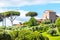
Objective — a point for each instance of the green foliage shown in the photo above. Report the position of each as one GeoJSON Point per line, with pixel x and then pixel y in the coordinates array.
{"type": "Point", "coordinates": [52, 25]}
{"type": "Point", "coordinates": [37, 36]}
{"type": "Point", "coordinates": [13, 34]}
{"type": "Point", "coordinates": [32, 22]}
{"type": "Point", "coordinates": [58, 29]}
{"type": "Point", "coordinates": [52, 32]}
{"type": "Point", "coordinates": [46, 38]}
{"type": "Point", "coordinates": [13, 13]}
{"type": "Point", "coordinates": [32, 14]}
{"type": "Point", "coordinates": [46, 22]}
{"type": "Point", "coordinates": [29, 35]}
{"type": "Point", "coordinates": [58, 22]}
{"type": "Point", "coordinates": [35, 28]}
{"type": "Point", "coordinates": [23, 34]}
{"type": "Point", "coordinates": [9, 13]}
{"type": "Point", "coordinates": [1, 19]}
{"type": "Point", "coordinates": [25, 23]}
{"type": "Point", "coordinates": [45, 28]}
{"type": "Point", "coordinates": [5, 36]}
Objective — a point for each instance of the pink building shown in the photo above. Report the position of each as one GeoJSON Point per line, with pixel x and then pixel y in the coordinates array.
{"type": "Point", "coordinates": [50, 15]}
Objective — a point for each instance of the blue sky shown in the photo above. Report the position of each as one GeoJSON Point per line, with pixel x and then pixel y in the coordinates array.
{"type": "Point", "coordinates": [24, 6]}
{"type": "Point", "coordinates": [41, 8]}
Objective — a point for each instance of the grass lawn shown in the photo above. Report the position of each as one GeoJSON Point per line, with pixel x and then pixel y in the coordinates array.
{"type": "Point", "coordinates": [51, 37]}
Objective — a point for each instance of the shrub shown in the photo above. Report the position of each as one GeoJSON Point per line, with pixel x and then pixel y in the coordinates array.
{"type": "Point", "coordinates": [5, 36]}
{"type": "Point", "coordinates": [59, 29]}
{"type": "Point", "coordinates": [46, 22]}
{"type": "Point", "coordinates": [32, 22]}
{"type": "Point", "coordinates": [58, 22]}
{"type": "Point", "coordinates": [46, 38]}
{"type": "Point", "coordinates": [46, 28]}
{"type": "Point", "coordinates": [52, 26]}
{"type": "Point", "coordinates": [36, 36]}
{"type": "Point", "coordinates": [52, 32]}
{"type": "Point", "coordinates": [35, 28]}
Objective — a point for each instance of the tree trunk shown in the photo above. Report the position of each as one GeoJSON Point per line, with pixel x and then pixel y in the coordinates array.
{"type": "Point", "coordinates": [11, 22]}
{"type": "Point", "coordinates": [11, 19]}
{"type": "Point", "coordinates": [5, 22]}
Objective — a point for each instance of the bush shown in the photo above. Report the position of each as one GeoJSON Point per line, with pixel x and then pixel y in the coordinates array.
{"type": "Point", "coordinates": [35, 28]}
{"type": "Point", "coordinates": [5, 36]}
{"type": "Point", "coordinates": [46, 38]}
{"type": "Point", "coordinates": [46, 22]}
{"type": "Point", "coordinates": [59, 29]}
{"type": "Point", "coordinates": [52, 32]}
{"type": "Point", "coordinates": [52, 26]}
{"type": "Point", "coordinates": [44, 28]}
{"type": "Point", "coordinates": [32, 22]}
{"type": "Point", "coordinates": [58, 22]}
{"type": "Point", "coordinates": [41, 29]}
{"type": "Point", "coordinates": [36, 35]}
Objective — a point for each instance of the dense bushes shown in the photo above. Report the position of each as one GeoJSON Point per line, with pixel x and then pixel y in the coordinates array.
{"type": "Point", "coordinates": [58, 22]}
{"type": "Point", "coordinates": [46, 21]}
{"type": "Point", "coordinates": [29, 33]}
{"type": "Point", "coordinates": [31, 22]}
{"type": "Point", "coordinates": [52, 32]}
{"type": "Point", "coordinates": [59, 29]}
{"type": "Point", "coordinates": [5, 36]}
{"type": "Point", "coordinates": [22, 34]}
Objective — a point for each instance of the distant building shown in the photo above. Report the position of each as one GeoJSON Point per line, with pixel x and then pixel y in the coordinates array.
{"type": "Point", "coordinates": [50, 15]}
{"type": "Point", "coordinates": [39, 20]}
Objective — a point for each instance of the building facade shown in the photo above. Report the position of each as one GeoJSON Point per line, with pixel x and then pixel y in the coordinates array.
{"type": "Point", "coordinates": [50, 15]}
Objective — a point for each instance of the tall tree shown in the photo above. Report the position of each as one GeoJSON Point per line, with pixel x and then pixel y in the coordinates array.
{"type": "Point", "coordinates": [3, 16]}
{"type": "Point", "coordinates": [32, 21]}
{"type": "Point", "coordinates": [1, 19]}
{"type": "Point", "coordinates": [12, 15]}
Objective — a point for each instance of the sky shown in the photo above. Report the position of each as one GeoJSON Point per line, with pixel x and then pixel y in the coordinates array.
{"type": "Point", "coordinates": [24, 6]}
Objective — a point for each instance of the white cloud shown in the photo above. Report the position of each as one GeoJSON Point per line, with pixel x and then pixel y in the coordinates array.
{"type": "Point", "coordinates": [16, 22]}
{"type": "Point", "coordinates": [58, 14]}
{"type": "Point", "coordinates": [4, 3]}
{"type": "Point", "coordinates": [23, 13]}
{"type": "Point", "coordinates": [37, 17]}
